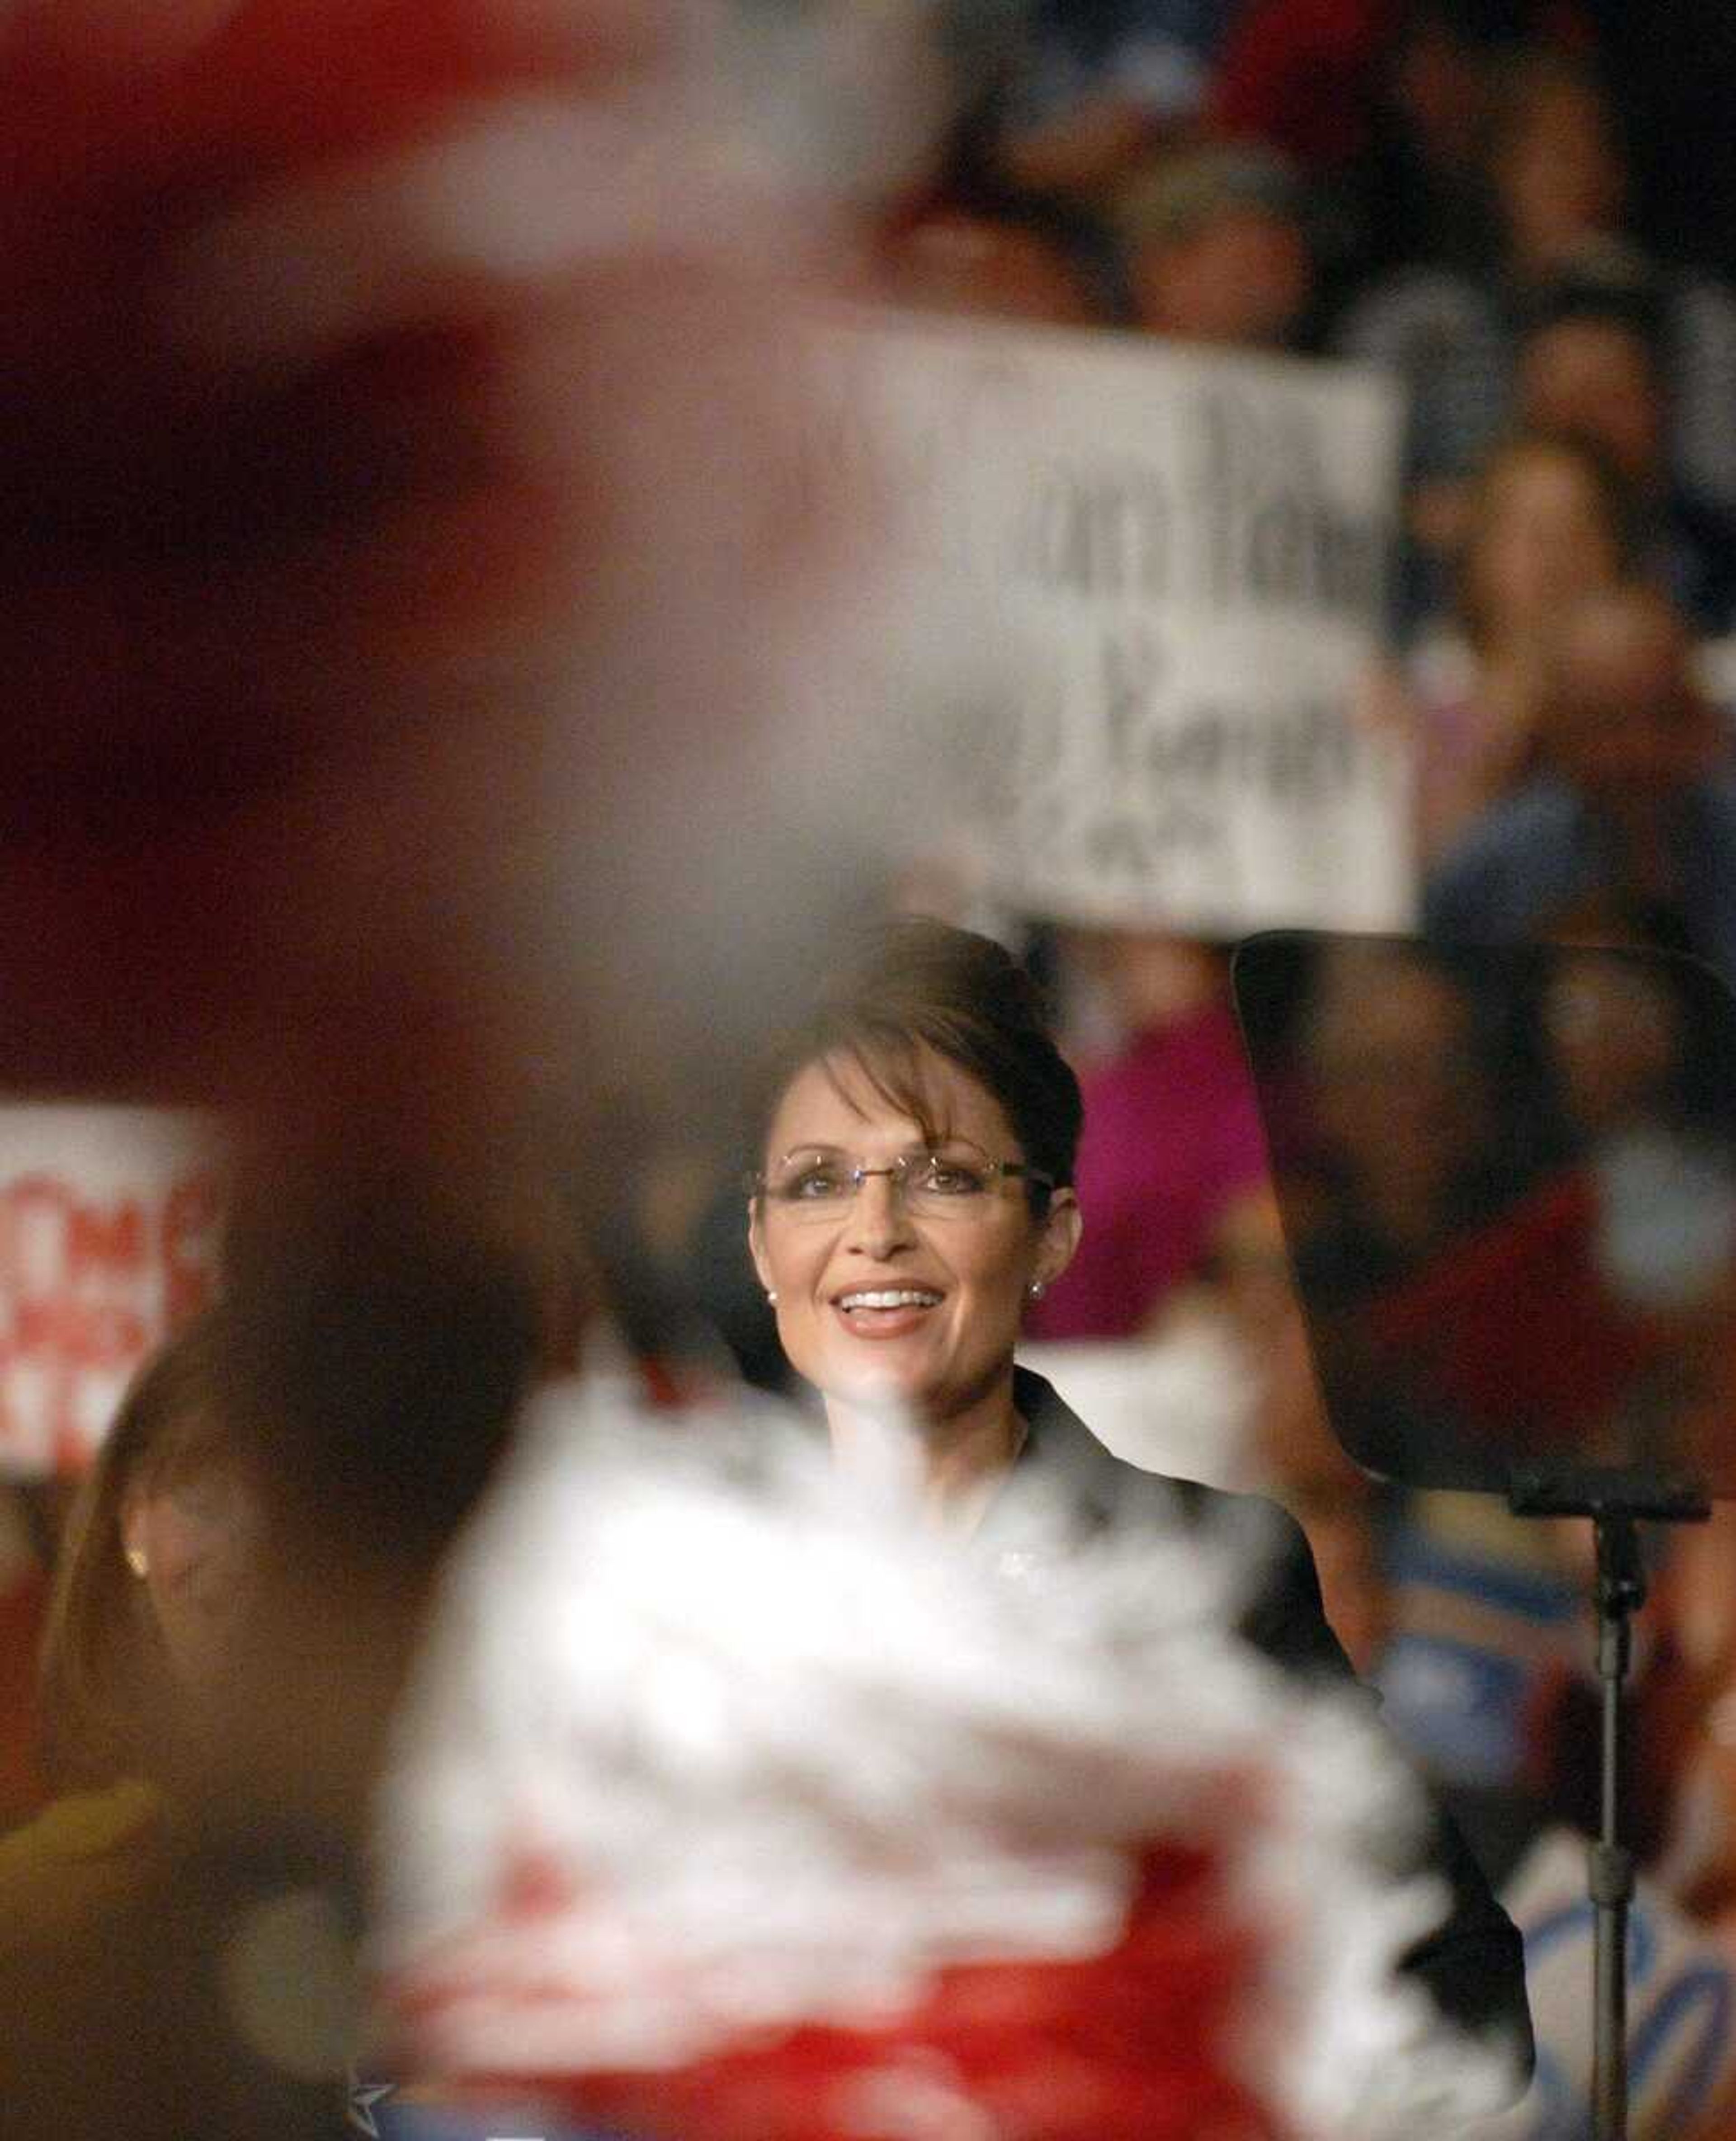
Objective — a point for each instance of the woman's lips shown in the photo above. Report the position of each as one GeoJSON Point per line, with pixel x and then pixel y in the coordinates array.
{"type": "Point", "coordinates": [885, 1311]}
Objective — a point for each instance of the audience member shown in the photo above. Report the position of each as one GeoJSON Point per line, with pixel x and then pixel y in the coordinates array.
{"type": "Point", "coordinates": [1556, 180]}
{"type": "Point", "coordinates": [1172, 1153]}
{"type": "Point", "coordinates": [1399, 1110]}
{"type": "Point", "coordinates": [1304, 1467]}
{"type": "Point", "coordinates": [150, 1586]}
{"type": "Point", "coordinates": [1593, 364]}
{"type": "Point", "coordinates": [1628, 828]}
{"type": "Point", "coordinates": [1409, 1185]}
{"type": "Point", "coordinates": [1641, 1059]}
{"type": "Point", "coordinates": [1548, 522]}
{"type": "Point", "coordinates": [952, 260]}
{"type": "Point", "coordinates": [1419, 194]}
{"type": "Point", "coordinates": [1556, 163]}
{"type": "Point", "coordinates": [1699, 1860]}
{"type": "Point", "coordinates": [1617, 1037]}
{"type": "Point", "coordinates": [1454, 335]}
{"type": "Point", "coordinates": [1311, 77]}
{"type": "Point", "coordinates": [1297, 75]}
{"type": "Point", "coordinates": [1216, 249]}
{"type": "Point", "coordinates": [1292, 1453]}
{"type": "Point", "coordinates": [126, 1906]}
{"type": "Point", "coordinates": [1097, 84]}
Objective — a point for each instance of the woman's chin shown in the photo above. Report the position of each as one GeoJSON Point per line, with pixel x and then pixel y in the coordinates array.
{"type": "Point", "coordinates": [881, 1385]}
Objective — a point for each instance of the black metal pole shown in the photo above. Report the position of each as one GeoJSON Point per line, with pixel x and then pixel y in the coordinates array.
{"type": "Point", "coordinates": [1620, 1591]}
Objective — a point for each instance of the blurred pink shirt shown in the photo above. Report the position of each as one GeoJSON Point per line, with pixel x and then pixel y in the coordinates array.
{"type": "Point", "coordinates": [1171, 1136]}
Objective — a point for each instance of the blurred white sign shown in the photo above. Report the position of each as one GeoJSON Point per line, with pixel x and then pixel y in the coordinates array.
{"type": "Point", "coordinates": [1143, 585]}
{"type": "Point", "coordinates": [1681, 1991]}
{"type": "Point", "coordinates": [108, 1230]}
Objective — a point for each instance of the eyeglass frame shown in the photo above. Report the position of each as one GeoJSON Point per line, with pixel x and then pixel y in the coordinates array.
{"type": "Point", "coordinates": [759, 1181]}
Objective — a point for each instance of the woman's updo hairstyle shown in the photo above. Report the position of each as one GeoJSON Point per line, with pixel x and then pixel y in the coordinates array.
{"type": "Point", "coordinates": [917, 983]}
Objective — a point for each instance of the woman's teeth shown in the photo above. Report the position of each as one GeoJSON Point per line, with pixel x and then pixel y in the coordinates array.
{"type": "Point", "coordinates": [890, 1297]}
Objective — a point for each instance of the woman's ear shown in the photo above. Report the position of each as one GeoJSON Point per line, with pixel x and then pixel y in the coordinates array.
{"type": "Point", "coordinates": [1063, 1223]}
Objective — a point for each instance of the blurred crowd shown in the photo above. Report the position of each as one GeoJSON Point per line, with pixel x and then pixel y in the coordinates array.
{"type": "Point", "coordinates": [1516, 210]}
{"type": "Point", "coordinates": [1508, 208]}
{"type": "Point", "coordinates": [1489, 203]}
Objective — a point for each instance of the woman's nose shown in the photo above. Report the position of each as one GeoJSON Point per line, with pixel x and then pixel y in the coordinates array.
{"type": "Point", "coordinates": [878, 1221]}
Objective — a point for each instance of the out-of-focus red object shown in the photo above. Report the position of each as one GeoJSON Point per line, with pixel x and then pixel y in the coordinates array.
{"type": "Point", "coordinates": [243, 801]}
{"type": "Point", "coordinates": [372, 539]}
{"type": "Point", "coordinates": [1517, 1330]}
{"type": "Point", "coordinates": [1298, 74]}
{"type": "Point", "coordinates": [390, 452]}
{"type": "Point", "coordinates": [222, 89]}
{"type": "Point", "coordinates": [1136, 2044]}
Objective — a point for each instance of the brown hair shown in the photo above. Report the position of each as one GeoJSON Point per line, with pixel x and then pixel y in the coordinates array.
{"type": "Point", "coordinates": [918, 984]}
{"type": "Point", "coordinates": [107, 1694]}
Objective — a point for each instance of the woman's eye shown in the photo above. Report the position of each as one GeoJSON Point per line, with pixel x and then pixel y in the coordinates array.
{"type": "Point", "coordinates": [952, 1180]}
{"type": "Point", "coordinates": [816, 1182]}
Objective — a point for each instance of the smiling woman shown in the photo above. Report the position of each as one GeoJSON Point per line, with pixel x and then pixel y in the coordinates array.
{"type": "Point", "coordinates": [914, 1194]}
{"type": "Point", "coordinates": [917, 1135]}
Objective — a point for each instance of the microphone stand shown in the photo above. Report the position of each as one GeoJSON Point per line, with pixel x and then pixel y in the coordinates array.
{"type": "Point", "coordinates": [1616, 1501]}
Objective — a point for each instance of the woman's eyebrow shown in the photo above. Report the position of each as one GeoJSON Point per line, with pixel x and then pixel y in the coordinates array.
{"type": "Point", "coordinates": [914, 1148]}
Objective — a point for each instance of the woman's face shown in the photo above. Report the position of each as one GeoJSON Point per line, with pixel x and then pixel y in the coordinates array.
{"type": "Point", "coordinates": [876, 1304]}
{"type": "Point", "coordinates": [1547, 541]}
{"type": "Point", "coordinates": [1615, 1039]}
{"type": "Point", "coordinates": [191, 1544]}
{"type": "Point", "coordinates": [1593, 379]}
{"type": "Point", "coordinates": [1397, 1093]}
{"type": "Point", "coordinates": [1559, 179]}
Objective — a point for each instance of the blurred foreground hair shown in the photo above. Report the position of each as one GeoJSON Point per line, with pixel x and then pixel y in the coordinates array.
{"type": "Point", "coordinates": [108, 1696]}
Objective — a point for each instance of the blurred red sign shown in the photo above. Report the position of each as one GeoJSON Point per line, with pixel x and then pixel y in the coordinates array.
{"type": "Point", "coordinates": [109, 1220]}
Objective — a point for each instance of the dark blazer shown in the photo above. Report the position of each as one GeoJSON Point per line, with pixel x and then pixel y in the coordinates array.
{"type": "Point", "coordinates": [1473, 1964]}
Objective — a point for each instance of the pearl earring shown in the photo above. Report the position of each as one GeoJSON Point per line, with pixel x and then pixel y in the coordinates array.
{"type": "Point", "coordinates": [1036, 1289]}
{"type": "Point", "coordinates": [771, 1297]}
{"type": "Point", "coordinates": [137, 1561]}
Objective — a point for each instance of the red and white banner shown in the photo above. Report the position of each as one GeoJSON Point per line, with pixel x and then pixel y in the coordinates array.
{"type": "Point", "coordinates": [108, 1240]}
